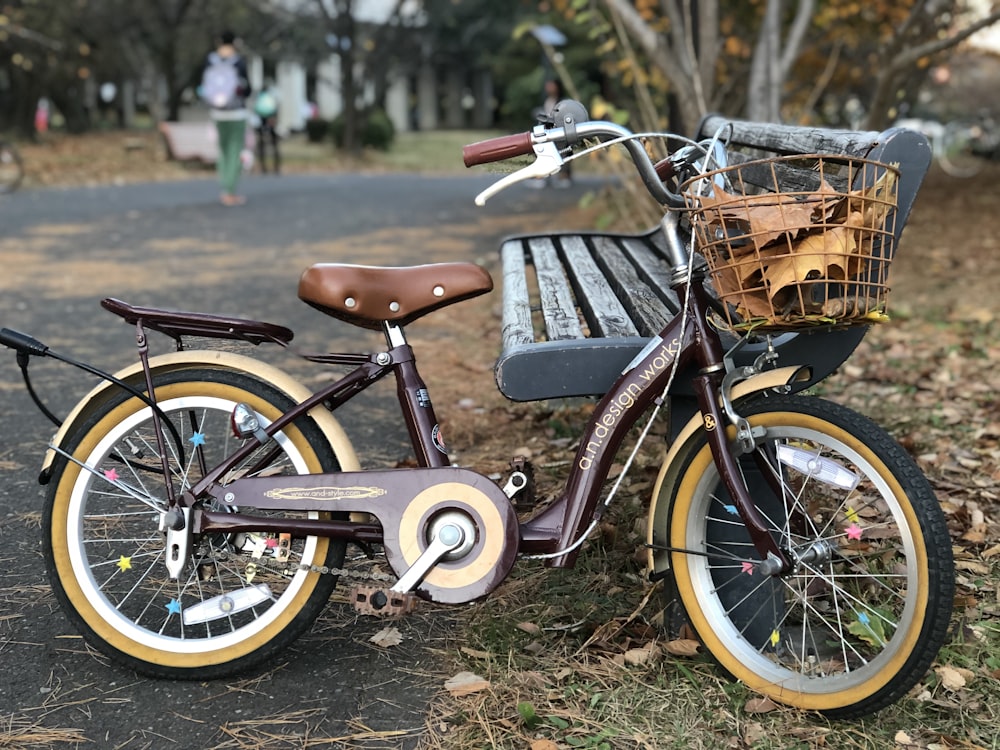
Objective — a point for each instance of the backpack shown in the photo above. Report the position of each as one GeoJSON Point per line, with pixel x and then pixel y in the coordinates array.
{"type": "Point", "coordinates": [266, 104]}
{"type": "Point", "coordinates": [220, 83]}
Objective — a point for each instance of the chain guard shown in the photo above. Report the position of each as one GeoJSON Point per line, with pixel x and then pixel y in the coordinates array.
{"type": "Point", "coordinates": [485, 565]}
{"type": "Point", "coordinates": [488, 515]}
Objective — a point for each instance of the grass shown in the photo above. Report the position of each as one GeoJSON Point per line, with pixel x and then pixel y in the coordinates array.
{"type": "Point", "coordinates": [558, 649]}
{"type": "Point", "coordinates": [431, 151]}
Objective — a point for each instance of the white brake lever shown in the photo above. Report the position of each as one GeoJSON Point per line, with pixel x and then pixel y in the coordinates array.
{"type": "Point", "coordinates": [547, 162]}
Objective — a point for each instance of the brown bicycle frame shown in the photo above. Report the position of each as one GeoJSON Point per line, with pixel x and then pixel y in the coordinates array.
{"type": "Point", "coordinates": [555, 531]}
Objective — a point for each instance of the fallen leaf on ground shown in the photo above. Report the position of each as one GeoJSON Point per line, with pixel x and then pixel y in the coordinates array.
{"type": "Point", "coordinates": [760, 705]}
{"type": "Point", "coordinates": [387, 637]}
{"type": "Point", "coordinates": [465, 683]}
{"type": "Point", "coordinates": [682, 647]}
{"type": "Point", "coordinates": [952, 678]}
{"type": "Point", "coordinates": [637, 656]}
{"type": "Point", "coordinates": [753, 733]}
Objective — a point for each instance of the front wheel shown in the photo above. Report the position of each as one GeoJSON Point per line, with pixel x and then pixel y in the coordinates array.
{"type": "Point", "coordinates": [241, 597]}
{"type": "Point", "coordinates": [861, 616]}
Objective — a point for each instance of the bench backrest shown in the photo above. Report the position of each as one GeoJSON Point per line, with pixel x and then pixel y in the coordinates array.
{"type": "Point", "coordinates": [906, 149]}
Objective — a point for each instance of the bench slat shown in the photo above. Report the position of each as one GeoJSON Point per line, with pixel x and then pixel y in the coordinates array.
{"type": "Point", "coordinates": [791, 139]}
{"type": "Point", "coordinates": [558, 308]}
{"type": "Point", "coordinates": [653, 269]}
{"type": "Point", "coordinates": [600, 306]}
{"type": "Point", "coordinates": [792, 177]}
{"type": "Point", "coordinates": [642, 303]}
{"type": "Point", "coordinates": [516, 318]}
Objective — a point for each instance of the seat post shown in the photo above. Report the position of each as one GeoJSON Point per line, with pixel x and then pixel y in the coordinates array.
{"type": "Point", "coordinates": [394, 335]}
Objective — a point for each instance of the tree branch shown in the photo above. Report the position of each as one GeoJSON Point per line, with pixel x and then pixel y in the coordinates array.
{"type": "Point", "coordinates": [708, 44]}
{"type": "Point", "coordinates": [803, 17]}
{"type": "Point", "coordinates": [648, 39]}
{"type": "Point", "coordinates": [692, 57]}
{"type": "Point", "coordinates": [913, 54]}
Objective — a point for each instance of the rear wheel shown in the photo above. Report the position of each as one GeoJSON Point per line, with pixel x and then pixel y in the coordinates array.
{"type": "Point", "coordinates": [860, 618]}
{"type": "Point", "coordinates": [242, 596]}
{"type": "Point", "coordinates": [959, 155]}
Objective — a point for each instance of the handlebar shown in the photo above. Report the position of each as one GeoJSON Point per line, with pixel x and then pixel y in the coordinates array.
{"type": "Point", "coordinates": [497, 149]}
{"type": "Point", "coordinates": [547, 143]}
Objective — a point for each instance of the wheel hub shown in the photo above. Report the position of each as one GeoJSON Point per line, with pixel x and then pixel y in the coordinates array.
{"type": "Point", "coordinates": [815, 553]}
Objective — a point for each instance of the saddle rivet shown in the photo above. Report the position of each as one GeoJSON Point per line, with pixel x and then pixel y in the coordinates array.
{"type": "Point", "coordinates": [350, 302]}
{"type": "Point", "coordinates": [394, 306]}
{"type": "Point", "coordinates": [438, 291]}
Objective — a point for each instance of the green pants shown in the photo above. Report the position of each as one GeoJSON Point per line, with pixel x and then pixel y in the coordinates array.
{"type": "Point", "coordinates": [231, 135]}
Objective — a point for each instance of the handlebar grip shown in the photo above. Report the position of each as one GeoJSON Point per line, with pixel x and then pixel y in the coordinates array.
{"type": "Point", "coordinates": [497, 149]}
{"type": "Point", "coordinates": [664, 169]}
{"type": "Point", "coordinates": [22, 342]}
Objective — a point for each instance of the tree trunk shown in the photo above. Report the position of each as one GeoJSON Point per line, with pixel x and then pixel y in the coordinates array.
{"type": "Point", "coordinates": [70, 103]}
{"type": "Point", "coordinates": [773, 58]}
{"type": "Point", "coordinates": [352, 143]}
{"type": "Point", "coordinates": [693, 26]}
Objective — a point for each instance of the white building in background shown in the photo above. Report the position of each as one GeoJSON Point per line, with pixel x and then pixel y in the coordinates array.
{"type": "Point", "coordinates": [422, 98]}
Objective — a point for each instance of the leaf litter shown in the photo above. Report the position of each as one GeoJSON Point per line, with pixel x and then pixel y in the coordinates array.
{"type": "Point", "coordinates": [772, 254]}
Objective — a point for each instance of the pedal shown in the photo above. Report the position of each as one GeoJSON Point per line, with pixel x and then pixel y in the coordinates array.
{"type": "Point", "coordinates": [381, 602]}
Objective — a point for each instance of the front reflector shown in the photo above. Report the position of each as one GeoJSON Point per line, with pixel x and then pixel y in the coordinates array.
{"type": "Point", "coordinates": [823, 469]}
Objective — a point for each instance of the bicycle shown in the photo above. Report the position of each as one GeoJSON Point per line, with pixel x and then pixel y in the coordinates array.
{"type": "Point", "coordinates": [200, 503]}
{"type": "Point", "coordinates": [11, 168]}
{"type": "Point", "coordinates": [961, 147]}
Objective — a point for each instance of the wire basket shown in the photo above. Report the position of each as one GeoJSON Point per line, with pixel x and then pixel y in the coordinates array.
{"type": "Point", "coordinates": [797, 241]}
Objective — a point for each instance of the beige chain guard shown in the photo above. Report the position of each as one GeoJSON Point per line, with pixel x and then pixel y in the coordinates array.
{"type": "Point", "coordinates": [489, 561]}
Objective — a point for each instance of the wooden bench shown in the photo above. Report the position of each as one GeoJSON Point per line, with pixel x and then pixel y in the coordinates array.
{"type": "Point", "coordinates": [578, 306]}
{"type": "Point", "coordinates": [190, 141]}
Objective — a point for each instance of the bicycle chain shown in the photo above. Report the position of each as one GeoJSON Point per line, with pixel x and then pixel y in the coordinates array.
{"type": "Point", "coordinates": [271, 567]}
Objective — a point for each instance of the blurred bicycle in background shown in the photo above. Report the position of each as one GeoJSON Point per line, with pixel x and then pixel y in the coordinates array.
{"type": "Point", "coordinates": [961, 147]}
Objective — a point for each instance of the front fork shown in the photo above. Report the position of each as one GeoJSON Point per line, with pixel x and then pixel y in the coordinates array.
{"type": "Point", "coordinates": [707, 387]}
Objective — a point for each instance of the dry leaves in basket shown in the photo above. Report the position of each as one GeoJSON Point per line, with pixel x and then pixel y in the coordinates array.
{"type": "Point", "coordinates": [774, 242]}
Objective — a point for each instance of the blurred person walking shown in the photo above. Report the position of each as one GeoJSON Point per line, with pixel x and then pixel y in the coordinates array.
{"type": "Point", "coordinates": [225, 87]}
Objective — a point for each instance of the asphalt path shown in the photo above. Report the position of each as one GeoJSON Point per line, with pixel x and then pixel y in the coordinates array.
{"type": "Point", "coordinates": [172, 244]}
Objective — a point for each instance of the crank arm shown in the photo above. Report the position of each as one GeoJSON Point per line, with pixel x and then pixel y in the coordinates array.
{"type": "Point", "coordinates": [449, 537]}
{"type": "Point", "coordinates": [516, 483]}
